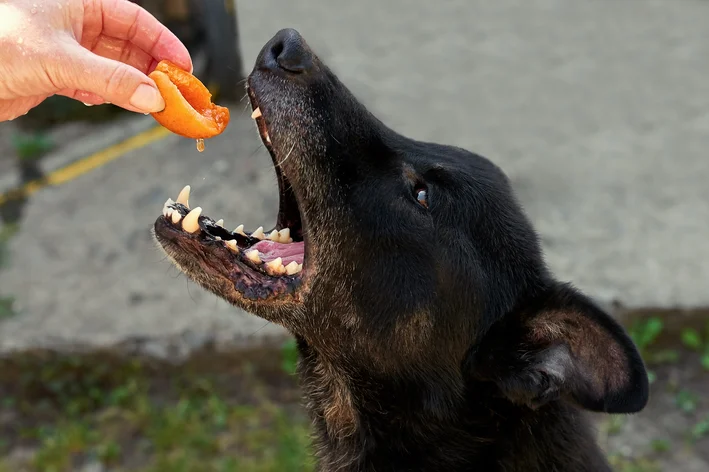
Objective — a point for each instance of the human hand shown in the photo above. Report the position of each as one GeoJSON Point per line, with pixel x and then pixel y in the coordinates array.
{"type": "Point", "coordinates": [96, 51]}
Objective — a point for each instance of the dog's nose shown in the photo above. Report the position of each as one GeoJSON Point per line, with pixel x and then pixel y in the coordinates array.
{"type": "Point", "coordinates": [287, 51]}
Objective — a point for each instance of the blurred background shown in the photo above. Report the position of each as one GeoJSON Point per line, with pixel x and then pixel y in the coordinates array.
{"type": "Point", "coordinates": [110, 360]}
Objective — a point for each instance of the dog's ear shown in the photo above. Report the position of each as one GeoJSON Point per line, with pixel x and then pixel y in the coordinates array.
{"type": "Point", "coordinates": [564, 347]}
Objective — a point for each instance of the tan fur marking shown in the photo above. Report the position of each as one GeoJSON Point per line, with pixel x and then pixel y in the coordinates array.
{"type": "Point", "coordinates": [607, 372]}
{"type": "Point", "coordinates": [338, 409]}
{"type": "Point", "coordinates": [412, 333]}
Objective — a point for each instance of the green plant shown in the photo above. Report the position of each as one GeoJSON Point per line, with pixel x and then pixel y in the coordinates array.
{"type": "Point", "coordinates": [289, 351]}
{"type": "Point", "coordinates": [686, 401]}
{"type": "Point", "coordinates": [6, 307]}
{"type": "Point", "coordinates": [691, 338]}
{"type": "Point", "coordinates": [645, 332]}
{"type": "Point", "coordinates": [33, 146]}
{"type": "Point", "coordinates": [660, 445]}
{"type": "Point", "coordinates": [6, 232]}
{"type": "Point", "coordinates": [701, 429]}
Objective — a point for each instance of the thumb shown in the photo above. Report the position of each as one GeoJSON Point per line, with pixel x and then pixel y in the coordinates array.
{"type": "Point", "coordinates": [114, 81]}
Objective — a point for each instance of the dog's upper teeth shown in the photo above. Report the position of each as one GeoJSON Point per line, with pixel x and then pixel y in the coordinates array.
{"type": "Point", "coordinates": [190, 223]}
{"type": "Point", "coordinates": [253, 256]}
{"type": "Point", "coordinates": [267, 137]}
{"type": "Point", "coordinates": [166, 210]}
{"type": "Point", "coordinates": [220, 223]}
{"type": "Point", "coordinates": [256, 113]}
{"type": "Point", "coordinates": [258, 234]}
{"type": "Point", "coordinates": [293, 268]}
{"type": "Point", "coordinates": [176, 217]}
{"type": "Point", "coordinates": [284, 235]}
{"type": "Point", "coordinates": [231, 244]}
{"type": "Point", "coordinates": [274, 236]}
{"type": "Point", "coordinates": [275, 267]}
{"type": "Point", "coordinates": [184, 196]}
{"type": "Point", "coordinates": [240, 230]}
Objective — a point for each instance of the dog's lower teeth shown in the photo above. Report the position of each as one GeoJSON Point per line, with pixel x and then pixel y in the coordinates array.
{"type": "Point", "coordinates": [293, 268]}
{"type": "Point", "coordinates": [275, 267]}
{"type": "Point", "coordinates": [190, 222]}
{"type": "Point", "coordinates": [231, 244]}
{"type": "Point", "coordinates": [253, 256]}
{"type": "Point", "coordinates": [274, 236]}
{"type": "Point", "coordinates": [256, 113]}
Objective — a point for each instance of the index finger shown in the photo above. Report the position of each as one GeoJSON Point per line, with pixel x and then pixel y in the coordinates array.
{"type": "Point", "coordinates": [123, 19]}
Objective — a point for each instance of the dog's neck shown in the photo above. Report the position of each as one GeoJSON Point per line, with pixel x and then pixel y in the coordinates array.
{"type": "Point", "coordinates": [436, 426]}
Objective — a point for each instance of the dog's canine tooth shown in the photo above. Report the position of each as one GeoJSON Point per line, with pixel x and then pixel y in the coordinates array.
{"type": "Point", "coordinates": [284, 235]}
{"type": "Point", "coordinates": [231, 244]}
{"type": "Point", "coordinates": [259, 234]}
{"type": "Point", "coordinates": [240, 230]}
{"type": "Point", "coordinates": [253, 256]}
{"type": "Point", "coordinates": [274, 236]}
{"type": "Point", "coordinates": [256, 113]}
{"type": "Point", "coordinates": [184, 196]}
{"type": "Point", "coordinates": [176, 217]}
{"type": "Point", "coordinates": [275, 267]}
{"type": "Point", "coordinates": [292, 268]}
{"type": "Point", "coordinates": [190, 223]}
{"type": "Point", "coordinates": [220, 222]}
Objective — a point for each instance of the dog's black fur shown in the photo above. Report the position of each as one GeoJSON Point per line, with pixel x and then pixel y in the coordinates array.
{"type": "Point", "coordinates": [432, 337]}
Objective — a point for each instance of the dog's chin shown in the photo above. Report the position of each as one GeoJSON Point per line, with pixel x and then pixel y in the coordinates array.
{"type": "Point", "coordinates": [249, 269]}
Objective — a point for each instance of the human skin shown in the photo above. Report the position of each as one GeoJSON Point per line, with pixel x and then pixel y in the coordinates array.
{"type": "Point", "coordinates": [95, 51]}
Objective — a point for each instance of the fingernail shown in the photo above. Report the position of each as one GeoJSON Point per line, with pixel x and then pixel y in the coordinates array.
{"type": "Point", "coordinates": [147, 98]}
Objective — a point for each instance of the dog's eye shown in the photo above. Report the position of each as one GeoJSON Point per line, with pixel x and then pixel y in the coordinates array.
{"type": "Point", "coordinates": [422, 196]}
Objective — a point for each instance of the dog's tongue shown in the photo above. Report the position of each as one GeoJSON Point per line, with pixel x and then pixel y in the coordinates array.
{"type": "Point", "coordinates": [290, 252]}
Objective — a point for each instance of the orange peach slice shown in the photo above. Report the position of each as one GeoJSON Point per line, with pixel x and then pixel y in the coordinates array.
{"type": "Point", "coordinates": [189, 110]}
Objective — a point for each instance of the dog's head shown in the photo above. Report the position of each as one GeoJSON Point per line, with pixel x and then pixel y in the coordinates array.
{"type": "Point", "coordinates": [397, 257]}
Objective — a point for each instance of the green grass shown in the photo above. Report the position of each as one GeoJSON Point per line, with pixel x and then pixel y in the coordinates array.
{"type": "Point", "coordinates": [194, 434]}
{"type": "Point", "coordinates": [693, 339]}
{"type": "Point", "coordinates": [238, 413]}
{"type": "Point", "coordinates": [128, 416]}
{"type": "Point", "coordinates": [6, 302]}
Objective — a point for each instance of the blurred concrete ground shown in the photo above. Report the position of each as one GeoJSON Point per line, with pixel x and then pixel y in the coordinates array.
{"type": "Point", "coordinates": [598, 112]}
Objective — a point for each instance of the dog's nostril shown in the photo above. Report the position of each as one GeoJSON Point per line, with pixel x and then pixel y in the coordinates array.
{"type": "Point", "coordinates": [287, 51]}
{"type": "Point", "coordinates": [277, 49]}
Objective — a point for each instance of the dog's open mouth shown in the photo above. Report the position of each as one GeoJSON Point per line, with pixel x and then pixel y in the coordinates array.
{"type": "Point", "coordinates": [259, 264]}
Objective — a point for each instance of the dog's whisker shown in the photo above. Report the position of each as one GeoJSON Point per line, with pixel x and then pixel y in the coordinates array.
{"type": "Point", "coordinates": [279, 164]}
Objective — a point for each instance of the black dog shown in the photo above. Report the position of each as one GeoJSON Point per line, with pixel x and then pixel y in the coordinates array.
{"type": "Point", "coordinates": [432, 337]}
